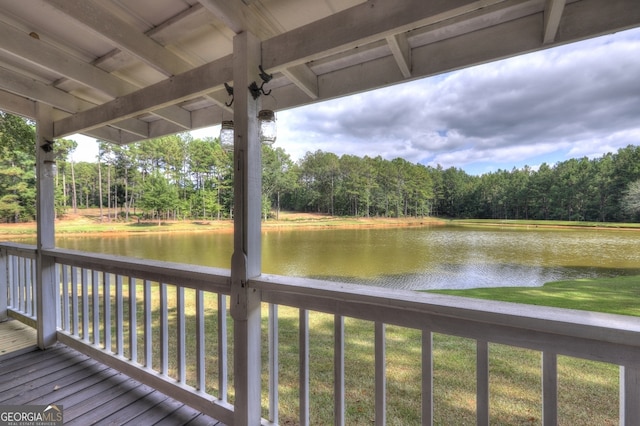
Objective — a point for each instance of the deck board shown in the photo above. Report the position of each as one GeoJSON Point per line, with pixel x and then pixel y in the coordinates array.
{"type": "Point", "coordinates": [16, 338]}
{"type": "Point", "coordinates": [89, 392]}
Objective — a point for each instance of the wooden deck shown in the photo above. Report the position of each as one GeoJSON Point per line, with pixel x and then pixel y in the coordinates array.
{"type": "Point", "coordinates": [16, 338]}
{"type": "Point", "coordinates": [89, 392]}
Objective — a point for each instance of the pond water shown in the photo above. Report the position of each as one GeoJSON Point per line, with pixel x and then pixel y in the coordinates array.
{"type": "Point", "coordinates": [408, 258]}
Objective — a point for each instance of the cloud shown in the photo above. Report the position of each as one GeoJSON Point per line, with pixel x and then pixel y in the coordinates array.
{"type": "Point", "coordinates": [581, 99]}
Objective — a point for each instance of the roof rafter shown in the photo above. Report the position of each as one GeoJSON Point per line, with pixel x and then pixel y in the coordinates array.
{"type": "Point", "coordinates": [360, 25]}
{"type": "Point", "coordinates": [18, 105]}
{"type": "Point", "coordinates": [192, 83]}
{"type": "Point", "coordinates": [239, 17]}
{"type": "Point", "coordinates": [552, 14]}
{"type": "Point", "coordinates": [127, 38]}
{"type": "Point", "coordinates": [49, 57]}
{"type": "Point", "coordinates": [304, 78]}
{"type": "Point", "coordinates": [174, 28]}
{"type": "Point", "coordinates": [175, 115]}
{"type": "Point", "coordinates": [401, 52]}
{"type": "Point", "coordinates": [33, 89]}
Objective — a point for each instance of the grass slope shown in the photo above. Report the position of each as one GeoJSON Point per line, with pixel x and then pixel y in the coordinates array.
{"type": "Point", "coordinates": [618, 295]}
{"type": "Point", "coordinates": [587, 391]}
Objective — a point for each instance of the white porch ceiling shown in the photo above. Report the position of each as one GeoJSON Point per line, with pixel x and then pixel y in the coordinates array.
{"type": "Point", "coordinates": [127, 70]}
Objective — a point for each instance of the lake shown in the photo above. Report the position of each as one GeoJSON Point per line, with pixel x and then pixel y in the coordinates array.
{"type": "Point", "coordinates": [435, 257]}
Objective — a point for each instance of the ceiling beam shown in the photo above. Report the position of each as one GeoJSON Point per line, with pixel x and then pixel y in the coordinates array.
{"type": "Point", "coordinates": [20, 85]}
{"type": "Point", "coordinates": [591, 18]}
{"type": "Point", "coordinates": [552, 14]}
{"type": "Point", "coordinates": [19, 105]}
{"type": "Point", "coordinates": [359, 25]}
{"type": "Point", "coordinates": [304, 78]}
{"type": "Point", "coordinates": [221, 98]}
{"type": "Point", "coordinates": [49, 57]}
{"type": "Point", "coordinates": [239, 17]}
{"type": "Point", "coordinates": [32, 89]}
{"type": "Point", "coordinates": [173, 29]}
{"type": "Point", "coordinates": [401, 52]}
{"type": "Point", "coordinates": [131, 125]}
{"type": "Point", "coordinates": [228, 12]}
{"type": "Point", "coordinates": [104, 23]}
{"type": "Point", "coordinates": [161, 128]}
{"type": "Point", "coordinates": [175, 115]}
{"type": "Point", "coordinates": [112, 134]}
{"type": "Point", "coordinates": [494, 14]}
{"type": "Point", "coordinates": [168, 92]}
{"type": "Point", "coordinates": [69, 67]}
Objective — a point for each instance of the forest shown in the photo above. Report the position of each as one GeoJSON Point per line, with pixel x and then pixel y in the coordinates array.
{"type": "Point", "coordinates": [179, 177]}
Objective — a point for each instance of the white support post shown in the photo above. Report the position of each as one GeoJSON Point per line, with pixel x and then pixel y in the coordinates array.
{"type": "Point", "coordinates": [629, 395]}
{"type": "Point", "coordinates": [338, 371]}
{"type": "Point", "coordinates": [273, 363]}
{"type": "Point", "coordinates": [381, 374]}
{"type": "Point", "coordinates": [482, 392]}
{"type": "Point", "coordinates": [45, 207]}
{"type": "Point", "coordinates": [549, 388]}
{"type": "Point", "coordinates": [4, 283]}
{"type": "Point", "coordinates": [427, 377]}
{"type": "Point", "coordinates": [303, 339]}
{"type": "Point", "coordinates": [246, 259]}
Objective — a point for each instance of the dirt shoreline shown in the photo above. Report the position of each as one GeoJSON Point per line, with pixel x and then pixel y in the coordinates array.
{"type": "Point", "coordinates": [89, 224]}
{"type": "Point", "coordinates": [617, 227]}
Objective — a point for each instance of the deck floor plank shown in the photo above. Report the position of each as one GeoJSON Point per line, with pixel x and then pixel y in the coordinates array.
{"type": "Point", "coordinates": [89, 392]}
{"type": "Point", "coordinates": [44, 385]}
{"type": "Point", "coordinates": [16, 366]}
{"type": "Point", "coordinates": [65, 395]}
{"type": "Point", "coordinates": [97, 410]}
{"type": "Point", "coordinates": [16, 338]}
{"type": "Point", "coordinates": [187, 416]}
{"type": "Point", "coordinates": [137, 407]}
{"type": "Point", "coordinates": [156, 413]}
{"type": "Point", "coordinates": [98, 397]}
{"type": "Point", "coordinates": [38, 370]}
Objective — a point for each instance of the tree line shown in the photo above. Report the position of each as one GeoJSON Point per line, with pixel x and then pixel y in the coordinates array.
{"type": "Point", "coordinates": [179, 177]}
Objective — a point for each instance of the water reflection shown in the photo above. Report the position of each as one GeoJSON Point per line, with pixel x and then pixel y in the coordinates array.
{"type": "Point", "coordinates": [407, 258]}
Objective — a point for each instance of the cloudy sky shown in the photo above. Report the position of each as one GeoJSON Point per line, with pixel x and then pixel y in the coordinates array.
{"type": "Point", "coordinates": [573, 101]}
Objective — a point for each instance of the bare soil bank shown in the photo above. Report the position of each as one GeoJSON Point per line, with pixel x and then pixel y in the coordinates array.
{"type": "Point", "coordinates": [90, 221]}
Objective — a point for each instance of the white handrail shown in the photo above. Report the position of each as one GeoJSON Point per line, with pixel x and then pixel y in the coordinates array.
{"type": "Point", "coordinates": [95, 287]}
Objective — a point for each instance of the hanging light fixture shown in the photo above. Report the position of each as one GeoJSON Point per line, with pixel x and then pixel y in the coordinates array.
{"type": "Point", "coordinates": [226, 135]}
{"type": "Point", "coordinates": [267, 119]}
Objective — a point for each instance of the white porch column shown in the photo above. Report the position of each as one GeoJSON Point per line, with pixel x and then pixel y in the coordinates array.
{"type": "Point", "coordinates": [45, 210]}
{"type": "Point", "coordinates": [246, 259]}
{"type": "Point", "coordinates": [4, 284]}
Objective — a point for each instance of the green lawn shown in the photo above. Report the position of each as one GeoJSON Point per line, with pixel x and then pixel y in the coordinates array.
{"type": "Point", "coordinates": [588, 391]}
{"type": "Point", "coordinates": [610, 295]}
{"type": "Point", "coordinates": [543, 223]}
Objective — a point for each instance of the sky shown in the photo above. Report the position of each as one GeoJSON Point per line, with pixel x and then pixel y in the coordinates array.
{"type": "Point", "coordinates": [573, 101]}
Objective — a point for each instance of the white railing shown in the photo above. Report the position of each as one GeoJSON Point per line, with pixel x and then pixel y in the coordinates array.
{"type": "Point", "coordinates": [166, 325]}
{"type": "Point", "coordinates": [135, 311]}
{"type": "Point", "coordinates": [17, 282]}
